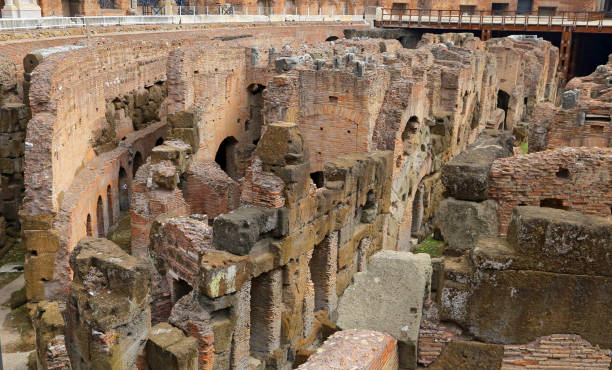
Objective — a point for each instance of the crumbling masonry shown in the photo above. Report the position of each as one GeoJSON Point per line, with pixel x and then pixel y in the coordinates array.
{"type": "Point", "coordinates": [232, 203]}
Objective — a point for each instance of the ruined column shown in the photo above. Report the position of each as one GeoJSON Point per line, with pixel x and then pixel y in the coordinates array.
{"type": "Point", "coordinates": [108, 314]}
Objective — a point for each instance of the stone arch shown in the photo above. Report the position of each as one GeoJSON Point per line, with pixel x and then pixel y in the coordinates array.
{"type": "Point", "coordinates": [109, 204]}
{"type": "Point", "coordinates": [100, 217]}
{"type": "Point", "coordinates": [332, 38]}
{"type": "Point", "coordinates": [124, 193]}
{"type": "Point", "coordinates": [409, 130]}
{"type": "Point", "coordinates": [226, 156]}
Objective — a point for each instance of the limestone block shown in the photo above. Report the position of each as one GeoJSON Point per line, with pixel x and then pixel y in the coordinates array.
{"type": "Point", "coordinates": [108, 314]}
{"type": "Point", "coordinates": [165, 175]}
{"type": "Point", "coordinates": [562, 241]}
{"type": "Point", "coordinates": [462, 223]}
{"type": "Point", "coordinates": [398, 282]}
{"type": "Point", "coordinates": [466, 177]}
{"type": "Point", "coordinates": [48, 323]}
{"type": "Point", "coordinates": [168, 348]}
{"type": "Point", "coordinates": [175, 151]}
{"type": "Point", "coordinates": [223, 273]}
{"type": "Point", "coordinates": [514, 306]}
{"type": "Point", "coordinates": [355, 349]}
{"type": "Point", "coordinates": [286, 64]}
{"type": "Point", "coordinates": [238, 231]}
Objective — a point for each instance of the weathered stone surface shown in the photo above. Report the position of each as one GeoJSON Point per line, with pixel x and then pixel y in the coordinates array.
{"type": "Point", "coordinates": [108, 314]}
{"type": "Point", "coordinates": [398, 282]}
{"type": "Point", "coordinates": [238, 231]}
{"type": "Point", "coordinates": [469, 355]}
{"type": "Point", "coordinates": [564, 242]}
{"type": "Point", "coordinates": [223, 273]}
{"type": "Point", "coordinates": [49, 325]}
{"type": "Point", "coordinates": [462, 223]}
{"type": "Point", "coordinates": [355, 349]}
{"type": "Point", "coordinates": [466, 177]}
{"type": "Point", "coordinates": [168, 348]}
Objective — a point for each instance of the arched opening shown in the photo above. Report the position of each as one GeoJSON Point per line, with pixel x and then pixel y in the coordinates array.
{"type": "Point", "coordinates": [124, 194]}
{"type": "Point", "coordinates": [318, 178]}
{"type": "Point", "coordinates": [417, 212]}
{"type": "Point", "coordinates": [136, 163]}
{"type": "Point", "coordinates": [332, 38]}
{"type": "Point", "coordinates": [100, 217]}
{"type": "Point", "coordinates": [88, 226]}
{"type": "Point", "coordinates": [109, 204]}
{"type": "Point", "coordinates": [180, 288]}
{"type": "Point", "coordinates": [226, 156]}
{"type": "Point", "coordinates": [159, 141]}
{"type": "Point", "coordinates": [503, 100]}
{"type": "Point", "coordinates": [107, 4]}
{"type": "Point", "coordinates": [410, 129]}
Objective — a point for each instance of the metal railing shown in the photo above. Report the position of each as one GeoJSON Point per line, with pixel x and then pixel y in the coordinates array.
{"type": "Point", "coordinates": [266, 11]}
{"type": "Point", "coordinates": [432, 17]}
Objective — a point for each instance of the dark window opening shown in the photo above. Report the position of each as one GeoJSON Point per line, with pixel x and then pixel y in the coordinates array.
{"type": "Point", "coordinates": [547, 11]}
{"type": "Point", "coordinates": [563, 173]}
{"type": "Point", "coordinates": [552, 203]}
{"type": "Point", "coordinates": [467, 9]}
{"type": "Point", "coordinates": [499, 8]}
{"type": "Point", "coordinates": [333, 99]}
{"type": "Point", "coordinates": [88, 226]}
{"type": "Point", "coordinates": [409, 130]}
{"type": "Point", "coordinates": [524, 6]}
{"type": "Point", "coordinates": [159, 141]}
{"type": "Point", "coordinates": [136, 163]}
{"type": "Point", "coordinates": [256, 88]}
{"type": "Point", "coordinates": [180, 289]}
{"type": "Point", "coordinates": [100, 217]}
{"type": "Point", "coordinates": [318, 178]}
{"type": "Point", "coordinates": [598, 117]}
{"type": "Point", "coordinates": [332, 38]}
{"type": "Point", "coordinates": [124, 195]}
{"type": "Point", "coordinates": [109, 204]}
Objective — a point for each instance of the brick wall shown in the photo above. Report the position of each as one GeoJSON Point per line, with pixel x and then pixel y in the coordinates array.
{"type": "Point", "coordinates": [575, 178]}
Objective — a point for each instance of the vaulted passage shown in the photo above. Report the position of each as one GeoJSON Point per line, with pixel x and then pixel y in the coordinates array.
{"type": "Point", "coordinates": [226, 156]}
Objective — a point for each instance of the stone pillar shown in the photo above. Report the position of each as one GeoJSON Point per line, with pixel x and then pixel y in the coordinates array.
{"type": "Point", "coordinates": [108, 315]}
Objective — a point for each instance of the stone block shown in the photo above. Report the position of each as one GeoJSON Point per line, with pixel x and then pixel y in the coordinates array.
{"type": "Point", "coordinates": [168, 348]}
{"type": "Point", "coordinates": [108, 314]}
{"type": "Point", "coordinates": [223, 273]}
{"type": "Point", "coordinates": [466, 177]}
{"type": "Point", "coordinates": [569, 99]}
{"type": "Point", "coordinates": [175, 151]}
{"type": "Point", "coordinates": [165, 175]}
{"type": "Point", "coordinates": [238, 231]}
{"type": "Point", "coordinates": [48, 323]}
{"type": "Point", "coordinates": [562, 241]}
{"type": "Point", "coordinates": [462, 223]}
{"type": "Point", "coordinates": [398, 282]}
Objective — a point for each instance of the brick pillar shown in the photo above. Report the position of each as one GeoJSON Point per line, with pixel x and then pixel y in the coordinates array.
{"type": "Point", "coordinates": [266, 304]}
{"type": "Point", "coordinates": [323, 268]}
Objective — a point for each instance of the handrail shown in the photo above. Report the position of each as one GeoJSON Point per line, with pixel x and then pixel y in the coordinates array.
{"type": "Point", "coordinates": [504, 18]}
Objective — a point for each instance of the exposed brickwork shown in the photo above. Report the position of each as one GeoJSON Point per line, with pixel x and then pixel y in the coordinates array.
{"type": "Point", "coordinates": [209, 190]}
{"type": "Point", "coordinates": [574, 178]}
{"type": "Point", "coordinates": [554, 352]}
{"type": "Point", "coordinates": [355, 349]}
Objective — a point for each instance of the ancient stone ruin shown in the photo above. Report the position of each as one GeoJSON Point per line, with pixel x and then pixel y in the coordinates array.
{"type": "Point", "coordinates": [272, 200]}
